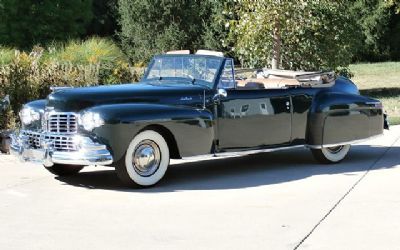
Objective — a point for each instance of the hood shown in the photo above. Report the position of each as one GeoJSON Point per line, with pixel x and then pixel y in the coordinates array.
{"type": "Point", "coordinates": [76, 99]}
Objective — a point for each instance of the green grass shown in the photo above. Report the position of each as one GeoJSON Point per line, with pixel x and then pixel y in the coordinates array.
{"type": "Point", "coordinates": [376, 75]}
{"type": "Point", "coordinates": [381, 81]}
{"type": "Point", "coordinates": [394, 120]}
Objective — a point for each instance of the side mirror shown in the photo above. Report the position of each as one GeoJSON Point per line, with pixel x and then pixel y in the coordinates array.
{"type": "Point", "coordinates": [220, 93]}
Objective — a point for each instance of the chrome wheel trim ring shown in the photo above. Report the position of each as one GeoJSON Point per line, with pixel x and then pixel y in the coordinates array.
{"type": "Point", "coordinates": [146, 158]}
{"type": "Point", "coordinates": [335, 150]}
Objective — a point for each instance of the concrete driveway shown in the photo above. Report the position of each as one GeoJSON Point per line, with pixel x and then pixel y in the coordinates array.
{"type": "Point", "coordinates": [280, 200]}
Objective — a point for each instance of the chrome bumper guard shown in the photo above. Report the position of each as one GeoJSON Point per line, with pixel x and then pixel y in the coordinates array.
{"type": "Point", "coordinates": [87, 151]}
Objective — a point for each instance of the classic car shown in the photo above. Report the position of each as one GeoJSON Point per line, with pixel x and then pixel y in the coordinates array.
{"type": "Point", "coordinates": [194, 104]}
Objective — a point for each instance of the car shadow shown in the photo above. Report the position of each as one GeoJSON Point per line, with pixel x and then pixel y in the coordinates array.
{"type": "Point", "coordinates": [381, 92]}
{"type": "Point", "coordinates": [245, 171]}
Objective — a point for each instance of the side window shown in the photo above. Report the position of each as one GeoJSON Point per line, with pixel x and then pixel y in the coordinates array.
{"type": "Point", "coordinates": [227, 79]}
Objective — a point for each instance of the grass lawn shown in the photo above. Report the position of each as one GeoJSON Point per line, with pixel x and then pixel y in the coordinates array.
{"type": "Point", "coordinates": [376, 75]}
{"type": "Point", "coordinates": [381, 81]}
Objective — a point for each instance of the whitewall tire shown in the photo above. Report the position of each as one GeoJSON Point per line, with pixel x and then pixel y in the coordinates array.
{"type": "Point", "coordinates": [331, 154]}
{"type": "Point", "coordinates": [146, 160]}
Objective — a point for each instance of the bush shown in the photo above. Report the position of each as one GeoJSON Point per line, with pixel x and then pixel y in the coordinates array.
{"type": "Point", "coordinates": [6, 55]}
{"type": "Point", "coordinates": [29, 76]}
{"type": "Point", "coordinates": [92, 51]}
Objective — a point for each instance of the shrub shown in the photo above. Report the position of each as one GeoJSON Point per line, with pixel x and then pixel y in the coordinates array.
{"type": "Point", "coordinates": [92, 51]}
{"type": "Point", "coordinates": [29, 76]}
{"type": "Point", "coordinates": [6, 55]}
{"type": "Point", "coordinates": [19, 79]}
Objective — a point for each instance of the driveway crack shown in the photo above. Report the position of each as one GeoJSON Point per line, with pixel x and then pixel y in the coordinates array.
{"type": "Point", "coordinates": [345, 195]}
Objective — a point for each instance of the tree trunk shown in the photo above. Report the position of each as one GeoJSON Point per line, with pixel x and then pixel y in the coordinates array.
{"type": "Point", "coordinates": [277, 46]}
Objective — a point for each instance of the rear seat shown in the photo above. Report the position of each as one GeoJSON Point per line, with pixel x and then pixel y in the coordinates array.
{"type": "Point", "coordinates": [272, 83]}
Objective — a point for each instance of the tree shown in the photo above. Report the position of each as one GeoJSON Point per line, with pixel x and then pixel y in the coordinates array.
{"type": "Point", "coordinates": [28, 22]}
{"type": "Point", "coordinates": [149, 27]}
{"type": "Point", "coordinates": [378, 20]}
{"type": "Point", "coordinates": [216, 34]}
{"type": "Point", "coordinates": [303, 34]}
{"type": "Point", "coordinates": [393, 3]}
{"type": "Point", "coordinates": [104, 22]}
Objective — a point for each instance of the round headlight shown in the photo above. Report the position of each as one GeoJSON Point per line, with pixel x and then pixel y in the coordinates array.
{"type": "Point", "coordinates": [28, 115]}
{"type": "Point", "coordinates": [91, 120]}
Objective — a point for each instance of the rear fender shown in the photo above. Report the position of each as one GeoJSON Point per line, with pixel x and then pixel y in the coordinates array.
{"type": "Point", "coordinates": [339, 118]}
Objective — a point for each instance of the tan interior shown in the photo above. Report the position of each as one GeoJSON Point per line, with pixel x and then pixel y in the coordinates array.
{"type": "Point", "coordinates": [270, 83]}
{"type": "Point", "coordinates": [272, 79]}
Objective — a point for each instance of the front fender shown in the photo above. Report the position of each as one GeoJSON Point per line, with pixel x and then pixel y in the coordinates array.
{"type": "Point", "coordinates": [342, 117]}
{"type": "Point", "coordinates": [191, 128]}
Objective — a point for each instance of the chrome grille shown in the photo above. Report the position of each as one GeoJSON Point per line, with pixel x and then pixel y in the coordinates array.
{"type": "Point", "coordinates": [62, 123]}
{"type": "Point", "coordinates": [33, 139]}
{"type": "Point", "coordinates": [59, 142]}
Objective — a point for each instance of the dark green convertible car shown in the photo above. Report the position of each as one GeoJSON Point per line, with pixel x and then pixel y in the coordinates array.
{"type": "Point", "coordinates": [193, 104]}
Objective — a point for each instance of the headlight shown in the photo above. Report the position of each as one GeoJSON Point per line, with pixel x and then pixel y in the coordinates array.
{"type": "Point", "coordinates": [28, 115]}
{"type": "Point", "coordinates": [91, 120]}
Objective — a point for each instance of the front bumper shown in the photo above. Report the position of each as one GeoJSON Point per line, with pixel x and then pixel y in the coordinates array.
{"type": "Point", "coordinates": [87, 152]}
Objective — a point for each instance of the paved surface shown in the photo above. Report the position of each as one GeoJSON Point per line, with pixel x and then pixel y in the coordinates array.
{"type": "Point", "coordinates": [280, 200]}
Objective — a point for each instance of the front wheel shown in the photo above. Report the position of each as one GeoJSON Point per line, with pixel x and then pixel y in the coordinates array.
{"type": "Point", "coordinates": [331, 154]}
{"type": "Point", "coordinates": [64, 170]}
{"type": "Point", "coordinates": [146, 160]}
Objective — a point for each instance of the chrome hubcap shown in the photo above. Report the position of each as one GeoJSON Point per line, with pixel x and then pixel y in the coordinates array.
{"type": "Point", "coordinates": [335, 150]}
{"type": "Point", "coordinates": [146, 158]}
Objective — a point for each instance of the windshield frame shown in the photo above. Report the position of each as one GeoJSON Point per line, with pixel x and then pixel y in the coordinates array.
{"type": "Point", "coordinates": [198, 82]}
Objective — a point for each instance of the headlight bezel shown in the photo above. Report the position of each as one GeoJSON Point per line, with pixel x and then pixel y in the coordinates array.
{"type": "Point", "coordinates": [90, 120]}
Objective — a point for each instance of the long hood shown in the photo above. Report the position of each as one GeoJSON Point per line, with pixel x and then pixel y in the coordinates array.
{"type": "Point", "coordinates": [77, 99]}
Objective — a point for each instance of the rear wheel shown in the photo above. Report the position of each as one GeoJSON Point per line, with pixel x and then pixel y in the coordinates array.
{"type": "Point", "coordinates": [64, 170]}
{"type": "Point", "coordinates": [146, 160]}
{"type": "Point", "coordinates": [331, 154]}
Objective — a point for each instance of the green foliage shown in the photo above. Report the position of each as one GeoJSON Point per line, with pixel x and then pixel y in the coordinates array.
{"type": "Point", "coordinates": [104, 22]}
{"type": "Point", "coordinates": [149, 27]}
{"type": "Point", "coordinates": [395, 4]}
{"type": "Point", "coordinates": [379, 23]}
{"type": "Point", "coordinates": [373, 18]}
{"type": "Point", "coordinates": [6, 55]}
{"type": "Point", "coordinates": [215, 35]}
{"type": "Point", "coordinates": [393, 38]}
{"type": "Point", "coordinates": [29, 76]}
{"type": "Point", "coordinates": [26, 22]}
{"type": "Point", "coordinates": [119, 72]}
{"type": "Point", "coordinates": [8, 119]}
{"type": "Point", "coordinates": [306, 34]}
{"type": "Point", "coordinates": [91, 51]}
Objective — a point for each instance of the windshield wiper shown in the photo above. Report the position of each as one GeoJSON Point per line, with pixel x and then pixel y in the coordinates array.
{"type": "Point", "coordinates": [189, 76]}
{"type": "Point", "coordinates": [201, 84]}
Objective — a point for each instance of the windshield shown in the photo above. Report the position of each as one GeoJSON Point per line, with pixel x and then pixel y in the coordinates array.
{"type": "Point", "coordinates": [193, 69]}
